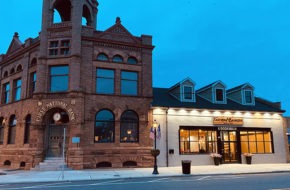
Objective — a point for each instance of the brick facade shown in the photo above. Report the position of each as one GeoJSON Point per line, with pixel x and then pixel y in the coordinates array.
{"type": "Point", "coordinates": [80, 102]}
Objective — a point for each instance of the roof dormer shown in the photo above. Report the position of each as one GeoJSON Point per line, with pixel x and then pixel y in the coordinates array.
{"type": "Point", "coordinates": [214, 92]}
{"type": "Point", "coordinates": [184, 90]}
{"type": "Point", "coordinates": [243, 94]}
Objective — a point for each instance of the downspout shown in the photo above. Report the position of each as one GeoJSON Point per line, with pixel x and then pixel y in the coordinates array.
{"type": "Point", "coordinates": [166, 125]}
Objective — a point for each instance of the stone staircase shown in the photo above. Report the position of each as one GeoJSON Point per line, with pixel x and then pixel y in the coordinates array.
{"type": "Point", "coordinates": [51, 164]}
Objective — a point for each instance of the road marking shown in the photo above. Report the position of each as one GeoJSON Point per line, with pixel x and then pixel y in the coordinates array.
{"type": "Point", "coordinates": [107, 182]}
{"type": "Point", "coordinates": [202, 178]}
{"type": "Point", "coordinates": [157, 180]}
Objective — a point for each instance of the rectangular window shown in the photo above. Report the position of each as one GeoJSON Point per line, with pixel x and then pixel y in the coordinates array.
{"type": "Point", "coordinates": [53, 48]}
{"type": "Point", "coordinates": [197, 140]}
{"type": "Point", "coordinates": [53, 44]}
{"type": "Point", "coordinates": [129, 83]}
{"type": "Point", "coordinates": [17, 89]}
{"type": "Point", "coordinates": [64, 49]}
{"type": "Point", "coordinates": [65, 43]}
{"type": "Point", "coordinates": [59, 78]}
{"type": "Point", "coordinates": [187, 91]}
{"type": "Point", "coordinates": [105, 81]}
{"type": "Point", "coordinates": [248, 97]}
{"type": "Point", "coordinates": [6, 93]}
{"type": "Point", "coordinates": [256, 141]}
{"type": "Point", "coordinates": [32, 83]}
{"type": "Point", "coordinates": [59, 47]}
{"type": "Point", "coordinates": [219, 95]}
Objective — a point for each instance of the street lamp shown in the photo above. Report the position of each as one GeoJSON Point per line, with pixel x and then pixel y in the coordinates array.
{"type": "Point", "coordinates": [156, 153]}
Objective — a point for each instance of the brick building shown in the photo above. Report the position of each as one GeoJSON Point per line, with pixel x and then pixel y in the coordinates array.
{"type": "Point", "coordinates": [79, 88]}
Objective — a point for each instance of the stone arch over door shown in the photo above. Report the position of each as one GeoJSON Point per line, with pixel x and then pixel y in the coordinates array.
{"type": "Point", "coordinates": [56, 121]}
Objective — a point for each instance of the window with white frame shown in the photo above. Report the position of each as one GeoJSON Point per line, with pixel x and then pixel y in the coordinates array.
{"type": "Point", "coordinates": [187, 93]}
{"type": "Point", "coordinates": [248, 94]}
{"type": "Point", "coordinates": [219, 95]}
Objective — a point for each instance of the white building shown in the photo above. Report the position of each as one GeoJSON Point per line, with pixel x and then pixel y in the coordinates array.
{"type": "Point", "coordinates": [196, 123]}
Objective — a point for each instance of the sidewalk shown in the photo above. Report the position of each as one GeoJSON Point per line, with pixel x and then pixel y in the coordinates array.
{"type": "Point", "coordinates": [20, 176]}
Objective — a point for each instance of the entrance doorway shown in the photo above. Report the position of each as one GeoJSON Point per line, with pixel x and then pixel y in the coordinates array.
{"type": "Point", "coordinates": [55, 141]}
{"type": "Point", "coordinates": [57, 121]}
{"type": "Point", "coordinates": [228, 146]}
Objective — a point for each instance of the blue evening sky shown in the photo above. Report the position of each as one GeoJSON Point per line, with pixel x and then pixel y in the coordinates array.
{"type": "Point", "coordinates": [235, 41]}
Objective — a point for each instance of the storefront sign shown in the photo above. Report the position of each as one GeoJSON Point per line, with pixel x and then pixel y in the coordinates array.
{"type": "Point", "coordinates": [54, 104]}
{"type": "Point", "coordinates": [228, 121]}
{"type": "Point", "coordinates": [226, 128]}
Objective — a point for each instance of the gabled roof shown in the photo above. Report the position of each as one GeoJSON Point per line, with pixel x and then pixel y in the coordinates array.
{"type": "Point", "coordinates": [162, 98]}
{"type": "Point", "coordinates": [240, 87]}
{"type": "Point", "coordinates": [118, 32]}
{"type": "Point", "coordinates": [15, 44]}
{"type": "Point", "coordinates": [181, 82]}
{"type": "Point", "coordinates": [210, 86]}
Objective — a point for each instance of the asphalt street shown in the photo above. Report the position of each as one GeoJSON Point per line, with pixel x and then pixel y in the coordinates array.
{"type": "Point", "coordinates": [269, 181]}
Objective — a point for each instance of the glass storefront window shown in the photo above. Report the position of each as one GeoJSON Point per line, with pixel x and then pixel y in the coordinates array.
{"type": "Point", "coordinates": [256, 141]}
{"type": "Point", "coordinates": [197, 141]}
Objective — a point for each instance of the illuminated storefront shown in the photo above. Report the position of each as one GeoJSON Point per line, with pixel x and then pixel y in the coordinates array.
{"type": "Point", "coordinates": [192, 130]}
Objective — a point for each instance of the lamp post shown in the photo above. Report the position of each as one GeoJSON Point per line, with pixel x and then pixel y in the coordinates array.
{"type": "Point", "coordinates": [155, 171]}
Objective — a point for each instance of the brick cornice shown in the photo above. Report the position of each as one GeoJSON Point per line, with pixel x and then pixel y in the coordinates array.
{"type": "Point", "coordinates": [115, 44]}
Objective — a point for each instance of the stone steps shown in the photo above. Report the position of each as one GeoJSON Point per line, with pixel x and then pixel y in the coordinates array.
{"type": "Point", "coordinates": [51, 164]}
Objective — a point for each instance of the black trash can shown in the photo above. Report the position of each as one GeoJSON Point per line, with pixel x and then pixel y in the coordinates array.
{"type": "Point", "coordinates": [186, 164]}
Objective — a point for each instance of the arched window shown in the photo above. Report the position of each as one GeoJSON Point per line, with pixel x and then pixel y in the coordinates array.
{"type": "Point", "coordinates": [12, 129]}
{"type": "Point", "coordinates": [129, 130]}
{"type": "Point", "coordinates": [7, 163]}
{"type": "Point", "coordinates": [33, 62]}
{"type": "Point", "coordinates": [118, 59]}
{"type": "Point", "coordinates": [104, 127]}
{"type": "Point", "coordinates": [1, 130]}
{"type": "Point", "coordinates": [132, 60]}
{"type": "Point", "coordinates": [102, 57]}
{"type": "Point", "coordinates": [19, 68]}
{"type": "Point", "coordinates": [27, 129]}
{"type": "Point", "coordinates": [5, 74]}
{"type": "Point", "coordinates": [12, 71]}
{"type": "Point", "coordinates": [129, 164]}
